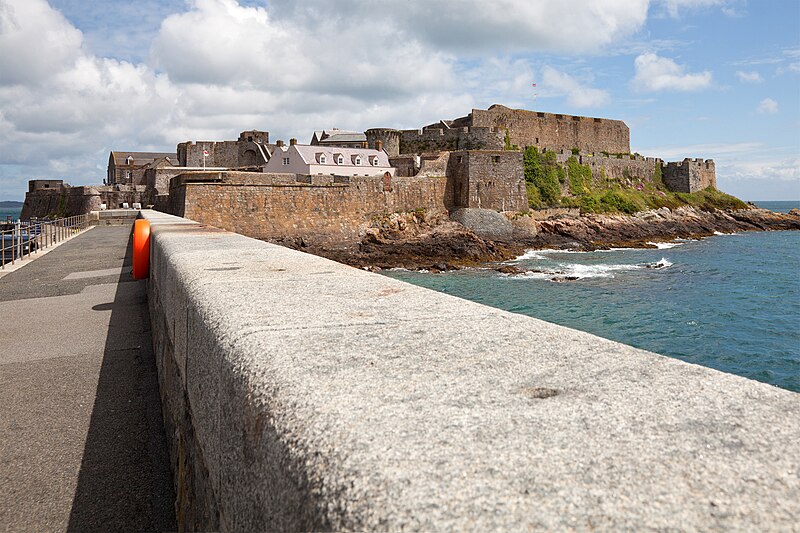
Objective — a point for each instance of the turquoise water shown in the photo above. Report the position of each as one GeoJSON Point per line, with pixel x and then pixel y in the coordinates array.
{"type": "Point", "coordinates": [730, 302]}
{"type": "Point", "coordinates": [12, 212]}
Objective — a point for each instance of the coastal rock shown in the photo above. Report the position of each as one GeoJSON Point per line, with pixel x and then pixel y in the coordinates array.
{"type": "Point", "coordinates": [485, 223]}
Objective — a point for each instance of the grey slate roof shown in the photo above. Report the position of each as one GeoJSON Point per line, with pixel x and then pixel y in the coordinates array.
{"type": "Point", "coordinates": [143, 158]}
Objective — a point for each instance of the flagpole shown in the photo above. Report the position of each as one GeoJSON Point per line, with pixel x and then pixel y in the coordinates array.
{"type": "Point", "coordinates": [534, 96]}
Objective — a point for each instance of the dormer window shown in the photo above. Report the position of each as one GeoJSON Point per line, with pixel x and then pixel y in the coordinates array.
{"type": "Point", "coordinates": [356, 159]}
{"type": "Point", "coordinates": [322, 159]}
{"type": "Point", "coordinates": [129, 160]}
{"type": "Point", "coordinates": [374, 160]}
{"type": "Point", "coordinates": [339, 159]}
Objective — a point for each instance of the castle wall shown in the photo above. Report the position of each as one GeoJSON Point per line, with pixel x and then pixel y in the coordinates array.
{"type": "Point", "coordinates": [436, 140]}
{"type": "Point", "coordinates": [488, 179]}
{"type": "Point", "coordinates": [690, 175]}
{"type": "Point", "coordinates": [626, 169]}
{"type": "Point", "coordinates": [555, 132]}
{"type": "Point", "coordinates": [69, 201]}
{"type": "Point", "coordinates": [390, 138]}
{"type": "Point", "coordinates": [314, 208]}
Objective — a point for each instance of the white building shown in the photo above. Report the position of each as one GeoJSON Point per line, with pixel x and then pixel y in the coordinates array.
{"type": "Point", "coordinates": [307, 159]}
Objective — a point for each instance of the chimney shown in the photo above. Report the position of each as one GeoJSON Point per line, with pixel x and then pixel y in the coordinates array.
{"type": "Point", "coordinates": [378, 145]}
{"type": "Point", "coordinates": [292, 142]}
{"type": "Point", "coordinates": [279, 143]}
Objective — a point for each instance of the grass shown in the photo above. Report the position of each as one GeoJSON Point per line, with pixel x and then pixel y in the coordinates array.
{"type": "Point", "coordinates": [544, 178]}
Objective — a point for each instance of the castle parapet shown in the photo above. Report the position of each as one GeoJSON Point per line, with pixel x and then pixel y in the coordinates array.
{"type": "Point", "coordinates": [690, 175]}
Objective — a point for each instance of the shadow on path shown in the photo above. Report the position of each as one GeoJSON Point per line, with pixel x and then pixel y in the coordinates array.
{"type": "Point", "coordinates": [125, 482]}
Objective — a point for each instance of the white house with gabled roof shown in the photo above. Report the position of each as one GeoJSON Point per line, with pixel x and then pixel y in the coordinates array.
{"type": "Point", "coordinates": [308, 159]}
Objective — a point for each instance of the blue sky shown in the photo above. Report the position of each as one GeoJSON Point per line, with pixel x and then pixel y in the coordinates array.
{"type": "Point", "coordinates": [692, 78]}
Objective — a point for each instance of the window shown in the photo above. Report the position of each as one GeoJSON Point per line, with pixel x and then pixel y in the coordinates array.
{"type": "Point", "coordinates": [129, 160]}
{"type": "Point", "coordinates": [128, 174]}
{"type": "Point", "coordinates": [460, 159]}
{"type": "Point", "coordinates": [322, 159]}
{"type": "Point", "coordinates": [496, 158]}
{"type": "Point", "coordinates": [340, 159]}
{"type": "Point", "coordinates": [374, 161]}
{"type": "Point", "coordinates": [285, 160]}
{"type": "Point", "coordinates": [357, 160]}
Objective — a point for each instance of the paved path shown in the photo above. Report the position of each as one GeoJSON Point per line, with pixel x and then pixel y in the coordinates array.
{"type": "Point", "coordinates": [82, 444]}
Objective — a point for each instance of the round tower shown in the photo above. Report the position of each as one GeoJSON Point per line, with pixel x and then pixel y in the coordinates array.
{"type": "Point", "coordinates": [389, 138]}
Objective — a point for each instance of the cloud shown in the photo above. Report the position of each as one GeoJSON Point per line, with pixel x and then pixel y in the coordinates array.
{"type": "Point", "coordinates": [477, 26]}
{"type": "Point", "coordinates": [27, 53]}
{"type": "Point", "coordinates": [749, 77]}
{"type": "Point", "coordinates": [655, 73]}
{"type": "Point", "coordinates": [674, 7]}
{"type": "Point", "coordinates": [557, 83]}
{"type": "Point", "coordinates": [767, 106]}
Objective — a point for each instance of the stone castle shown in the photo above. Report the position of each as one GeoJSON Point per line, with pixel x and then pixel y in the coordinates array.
{"type": "Point", "coordinates": [330, 189]}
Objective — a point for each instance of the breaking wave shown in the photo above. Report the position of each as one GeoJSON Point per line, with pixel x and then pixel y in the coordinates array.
{"type": "Point", "coordinates": [666, 245]}
{"type": "Point", "coordinates": [575, 271]}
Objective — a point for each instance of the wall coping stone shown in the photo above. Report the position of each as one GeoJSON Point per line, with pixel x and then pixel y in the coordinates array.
{"type": "Point", "coordinates": [325, 397]}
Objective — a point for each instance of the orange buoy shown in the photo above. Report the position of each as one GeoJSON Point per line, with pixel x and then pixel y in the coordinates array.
{"type": "Point", "coordinates": [141, 248]}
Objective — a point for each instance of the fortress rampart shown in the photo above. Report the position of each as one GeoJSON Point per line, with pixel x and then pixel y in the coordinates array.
{"type": "Point", "coordinates": [247, 151]}
{"type": "Point", "coordinates": [690, 175]}
{"type": "Point", "coordinates": [313, 208]}
{"type": "Point", "coordinates": [622, 168]}
{"type": "Point", "coordinates": [554, 131]}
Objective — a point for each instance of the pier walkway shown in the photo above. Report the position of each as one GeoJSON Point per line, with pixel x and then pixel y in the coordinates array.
{"type": "Point", "coordinates": [82, 444]}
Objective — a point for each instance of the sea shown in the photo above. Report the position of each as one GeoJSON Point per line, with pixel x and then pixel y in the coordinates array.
{"type": "Point", "coordinates": [729, 301]}
{"type": "Point", "coordinates": [12, 212]}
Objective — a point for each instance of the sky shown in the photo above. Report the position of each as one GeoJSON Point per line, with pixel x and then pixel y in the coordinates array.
{"type": "Point", "coordinates": [715, 79]}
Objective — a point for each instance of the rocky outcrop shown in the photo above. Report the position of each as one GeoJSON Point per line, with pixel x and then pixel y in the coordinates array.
{"type": "Point", "coordinates": [415, 241]}
{"type": "Point", "coordinates": [598, 231]}
{"type": "Point", "coordinates": [432, 242]}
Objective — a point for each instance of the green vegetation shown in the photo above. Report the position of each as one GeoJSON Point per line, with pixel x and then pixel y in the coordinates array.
{"type": "Point", "coordinates": [576, 151]}
{"type": "Point", "coordinates": [580, 177]}
{"type": "Point", "coordinates": [544, 178]}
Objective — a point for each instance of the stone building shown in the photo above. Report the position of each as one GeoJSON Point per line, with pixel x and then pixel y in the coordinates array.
{"type": "Point", "coordinates": [340, 138]}
{"type": "Point", "coordinates": [128, 168]}
{"type": "Point", "coordinates": [487, 179]}
{"type": "Point", "coordinates": [690, 175]}
{"type": "Point", "coordinates": [499, 127]}
{"type": "Point", "coordinates": [250, 150]}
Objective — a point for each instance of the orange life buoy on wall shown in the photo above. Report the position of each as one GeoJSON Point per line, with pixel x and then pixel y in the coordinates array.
{"type": "Point", "coordinates": [141, 249]}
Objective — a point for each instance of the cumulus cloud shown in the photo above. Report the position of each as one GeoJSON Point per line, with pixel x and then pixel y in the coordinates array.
{"type": "Point", "coordinates": [558, 83]}
{"type": "Point", "coordinates": [655, 73]}
{"type": "Point", "coordinates": [767, 106]}
{"type": "Point", "coordinates": [477, 25]}
{"type": "Point", "coordinates": [28, 54]}
{"type": "Point", "coordinates": [749, 77]}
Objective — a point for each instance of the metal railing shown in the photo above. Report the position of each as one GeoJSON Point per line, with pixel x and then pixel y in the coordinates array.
{"type": "Point", "coordinates": [20, 239]}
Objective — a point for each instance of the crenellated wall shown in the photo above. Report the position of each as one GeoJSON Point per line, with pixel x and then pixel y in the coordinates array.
{"type": "Point", "coordinates": [690, 175]}
{"type": "Point", "coordinates": [453, 139]}
{"type": "Point", "coordinates": [555, 131]}
{"type": "Point", "coordinates": [623, 168]}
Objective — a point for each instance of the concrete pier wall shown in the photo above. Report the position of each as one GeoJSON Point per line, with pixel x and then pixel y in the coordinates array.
{"type": "Point", "coordinates": [302, 394]}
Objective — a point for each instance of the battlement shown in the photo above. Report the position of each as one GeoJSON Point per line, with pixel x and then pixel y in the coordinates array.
{"type": "Point", "coordinates": [690, 175]}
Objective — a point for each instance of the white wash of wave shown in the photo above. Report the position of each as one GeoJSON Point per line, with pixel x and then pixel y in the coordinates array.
{"type": "Point", "coordinates": [541, 254]}
{"type": "Point", "coordinates": [666, 245]}
{"type": "Point", "coordinates": [575, 271]}
{"type": "Point", "coordinates": [720, 233]}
